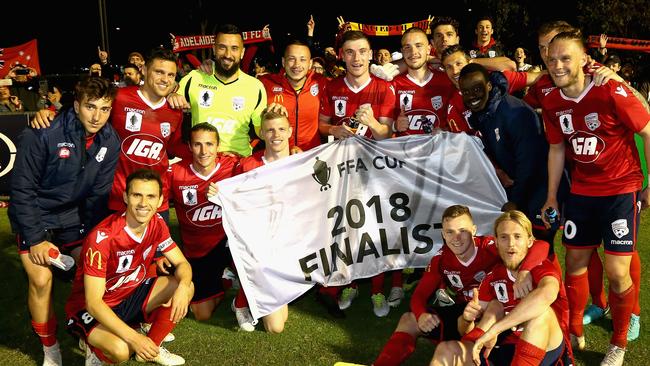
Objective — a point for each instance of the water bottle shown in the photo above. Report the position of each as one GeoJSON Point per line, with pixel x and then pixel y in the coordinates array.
{"type": "Point", "coordinates": [552, 217]}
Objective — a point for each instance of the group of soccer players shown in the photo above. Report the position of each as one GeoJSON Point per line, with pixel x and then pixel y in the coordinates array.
{"type": "Point", "coordinates": [504, 290]}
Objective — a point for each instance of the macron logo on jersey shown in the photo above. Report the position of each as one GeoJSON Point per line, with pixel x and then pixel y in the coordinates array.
{"type": "Point", "coordinates": [100, 236]}
{"type": "Point", "coordinates": [620, 91]}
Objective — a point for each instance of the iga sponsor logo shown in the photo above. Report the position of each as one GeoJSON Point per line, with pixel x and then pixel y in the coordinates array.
{"type": "Point", "coordinates": [143, 149]}
{"type": "Point", "coordinates": [133, 279]}
{"type": "Point", "coordinates": [206, 215]}
{"type": "Point", "coordinates": [586, 146]}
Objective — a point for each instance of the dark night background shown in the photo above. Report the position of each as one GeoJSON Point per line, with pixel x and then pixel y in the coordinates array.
{"type": "Point", "coordinates": [68, 33]}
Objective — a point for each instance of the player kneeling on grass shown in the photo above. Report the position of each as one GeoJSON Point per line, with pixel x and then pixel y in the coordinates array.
{"type": "Point", "coordinates": [276, 132]}
{"type": "Point", "coordinates": [447, 285]}
{"type": "Point", "coordinates": [204, 240]}
{"type": "Point", "coordinates": [529, 331]}
{"type": "Point", "coordinates": [111, 290]}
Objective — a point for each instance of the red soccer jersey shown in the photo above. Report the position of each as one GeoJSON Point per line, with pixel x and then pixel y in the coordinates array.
{"type": "Point", "coordinates": [498, 285]}
{"type": "Point", "coordinates": [598, 128]}
{"type": "Point", "coordinates": [303, 106]}
{"type": "Point", "coordinates": [446, 270]}
{"type": "Point", "coordinates": [251, 162]}
{"type": "Point", "coordinates": [458, 115]}
{"type": "Point", "coordinates": [340, 100]}
{"type": "Point", "coordinates": [199, 219]}
{"type": "Point", "coordinates": [146, 131]}
{"type": "Point", "coordinates": [424, 104]}
{"type": "Point", "coordinates": [113, 252]}
{"type": "Point", "coordinates": [539, 90]}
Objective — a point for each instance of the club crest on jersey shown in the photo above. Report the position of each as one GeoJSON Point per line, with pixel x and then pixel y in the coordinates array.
{"type": "Point", "coordinates": [501, 291]}
{"type": "Point", "coordinates": [340, 107]}
{"type": "Point", "coordinates": [206, 96]}
{"type": "Point", "coordinates": [492, 53]}
{"type": "Point", "coordinates": [472, 53]}
{"type": "Point", "coordinates": [436, 102]}
{"type": "Point", "coordinates": [133, 121]}
{"type": "Point", "coordinates": [165, 129]}
{"type": "Point", "coordinates": [237, 103]}
{"type": "Point", "coordinates": [124, 263]}
{"type": "Point", "coordinates": [101, 154]}
{"type": "Point", "coordinates": [406, 101]}
{"type": "Point", "coordinates": [592, 122]}
{"type": "Point", "coordinates": [566, 123]}
{"type": "Point", "coordinates": [479, 276]}
{"type": "Point", "coordinates": [314, 90]}
{"type": "Point", "coordinates": [620, 229]}
{"type": "Point", "coordinates": [189, 196]}
{"type": "Point", "coordinates": [64, 153]}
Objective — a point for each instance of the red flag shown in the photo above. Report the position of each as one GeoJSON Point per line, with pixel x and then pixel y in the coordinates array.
{"type": "Point", "coordinates": [24, 54]}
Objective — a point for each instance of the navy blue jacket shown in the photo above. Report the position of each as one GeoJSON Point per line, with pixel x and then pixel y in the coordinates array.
{"type": "Point", "coordinates": [514, 139]}
{"type": "Point", "coordinates": [56, 183]}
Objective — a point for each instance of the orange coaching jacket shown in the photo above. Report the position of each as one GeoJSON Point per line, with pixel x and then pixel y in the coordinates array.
{"type": "Point", "coordinates": [303, 105]}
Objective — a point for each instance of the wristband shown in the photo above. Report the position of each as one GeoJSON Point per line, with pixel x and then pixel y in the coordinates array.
{"type": "Point", "coordinates": [473, 335]}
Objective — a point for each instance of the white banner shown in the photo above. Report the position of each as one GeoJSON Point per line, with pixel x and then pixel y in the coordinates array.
{"type": "Point", "coordinates": [350, 209]}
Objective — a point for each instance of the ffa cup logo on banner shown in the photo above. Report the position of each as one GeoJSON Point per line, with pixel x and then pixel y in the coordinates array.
{"type": "Point", "coordinates": [189, 196]}
{"type": "Point", "coordinates": [436, 102]}
{"type": "Point", "coordinates": [340, 107]}
{"type": "Point", "coordinates": [620, 229]}
{"type": "Point", "coordinates": [237, 103]}
{"type": "Point", "coordinates": [205, 98]}
{"type": "Point", "coordinates": [133, 121]}
{"type": "Point", "coordinates": [592, 122]}
{"type": "Point", "coordinates": [314, 90]}
{"type": "Point", "coordinates": [322, 174]}
{"type": "Point", "coordinates": [165, 129]}
{"type": "Point", "coordinates": [566, 123]}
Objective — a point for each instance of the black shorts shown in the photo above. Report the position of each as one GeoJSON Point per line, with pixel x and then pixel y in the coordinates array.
{"type": "Point", "coordinates": [131, 310]}
{"type": "Point", "coordinates": [65, 239]}
{"type": "Point", "coordinates": [613, 220]}
{"type": "Point", "coordinates": [448, 328]}
{"type": "Point", "coordinates": [504, 353]}
{"type": "Point", "coordinates": [207, 272]}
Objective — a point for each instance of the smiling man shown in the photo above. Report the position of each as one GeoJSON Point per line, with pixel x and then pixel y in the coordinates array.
{"type": "Point", "coordinates": [454, 273]}
{"type": "Point", "coordinates": [298, 90]}
{"type": "Point", "coordinates": [593, 128]}
{"type": "Point", "coordinates": [204, 239]}
{"type": "Point", "coordinates": [357, 98]}
{"type": "Point", "coordinates": [228, 98]}
{"type": "Point", "coordinates": [59, 188]}
{"type": "Point", "coordinates": [513, 139]}
{"type": "Point", "coordinates": [111, 290]}
{"type": "Point", "coordinates": [531, 330]}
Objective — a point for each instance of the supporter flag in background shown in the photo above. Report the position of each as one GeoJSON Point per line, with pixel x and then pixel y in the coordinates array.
{"type": "Point", "coordinates": [24, 54]}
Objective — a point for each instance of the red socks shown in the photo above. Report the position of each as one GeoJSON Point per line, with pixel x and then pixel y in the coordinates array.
{"type": "Point", "coordinates": [397, 278]}
{"type": "Point", "coordinates": [577, 291]}
{"type": "Point", "coordinates": [596, 282]}
{"type": "Point", "coordinates": [621, 307]}
{"type": "Point", "coordinates": [635, 273]}
{"type": "Point", "coordinates": [527, 354]}
{"type": "Point", "coordinates": [160, 324]}
{"type": "Point", "coordinates": [398, 348]}
{"type": "Point", "coordinates": [378, 284]}
{"type": "Point", "coordinates": [46, 331]}
{"type": "Point", "coordinates": [240, 299]}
